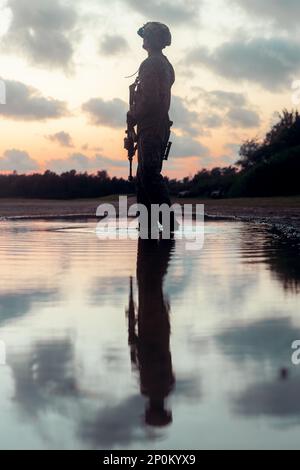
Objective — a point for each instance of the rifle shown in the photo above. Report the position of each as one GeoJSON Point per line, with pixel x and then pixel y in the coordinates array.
{"type": "Point", "coordinates": [131, 138]}
{"type": "Point", "coordinates": [167, 151]}
{"type": "Point", "coordinates": [130, 146]}
{"type": "Point", "coordinates": [168, 144]}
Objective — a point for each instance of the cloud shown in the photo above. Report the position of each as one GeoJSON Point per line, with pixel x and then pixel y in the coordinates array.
{"type": "Point", "coordinates": [220, 98]}
{"type": "Point", "coordinates": [41, 31]}
{"type": "Point", "coordinates": [211, 120]}
{"type": "Point", "coordinates": [104, 162]}
{"type": "Point", "coordinates": [17, 160]}
{"type": "Point", "coordinates": [226, 160]}
{"type": "Point", "coordinates": [112, 45]}
{"type": "Point", "coordinates": [233, 149]}
{"type": "Point", "coordinates": [106, 113]}
{"type": "Point", "coordinates": [226, 108]}
{"type": "Point", "coordinates": [275, 398]}
{"type": "Point", "coordinates": [283, 13]}
{"type": "Point", "coordinates": [271, 63]}
{"type": "Point", "coordinates": [263, 341]}
{"type": "Point", "coordinates": [63, 138]}
{"type": "Point", "coordinates": [27, 103]}
{"type": "Point", "coordinates": [117, 425]}
{"type": "Point", "coordinates": [2, 92]}
{"type": "Point", "coordinates": [82, 163]}
{"type": "Point", "coordinates": [245, 118]}
{"type": "Point", "coordinates": [86, 147]}
{"type": "Point", "coordinates": [19, 304]}
{"type": "Point", "coordinates": [265, 344]}
{"type": "Point", "coordinates": [174, 12]}
{"type": "Point", "coordinates": [184, 119]}
{"type": "Point", "coordinates": [186, 146]}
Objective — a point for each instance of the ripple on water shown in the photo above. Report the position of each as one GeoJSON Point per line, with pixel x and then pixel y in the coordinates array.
{"type": "Point", "coordinates": [98, 330]}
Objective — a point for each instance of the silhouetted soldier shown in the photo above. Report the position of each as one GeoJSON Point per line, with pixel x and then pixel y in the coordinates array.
{"type": "Point", "coordinates": [150, 341]}
{"type": "Point", "coordinates": [149, 111]}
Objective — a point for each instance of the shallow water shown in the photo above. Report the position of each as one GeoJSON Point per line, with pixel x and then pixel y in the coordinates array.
{"type": "Point", "coordinates": [191, 360]}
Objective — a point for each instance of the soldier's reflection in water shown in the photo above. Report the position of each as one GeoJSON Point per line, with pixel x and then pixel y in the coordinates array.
{"type": "Point", "coordinates": [149, 330]}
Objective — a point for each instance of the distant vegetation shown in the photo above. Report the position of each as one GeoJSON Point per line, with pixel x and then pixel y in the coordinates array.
{"type": "Point", "coordinates": [265, 168]}
{"type": "Point", "coordinates": [271, 167]}
{"type": "Point", "coordinates": [69, 185]}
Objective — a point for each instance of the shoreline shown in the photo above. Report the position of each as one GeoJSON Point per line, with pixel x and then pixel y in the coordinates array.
{"type": "Point", "coordinates": [282, 215]}
{"type": "Point", "coordinates": [280, 227]}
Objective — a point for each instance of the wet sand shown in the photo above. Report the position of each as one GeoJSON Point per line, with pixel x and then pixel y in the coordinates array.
{"type": "Point", "coordinates": [282, 214]}
{"type": "Point", "coordinates": [51, 208]}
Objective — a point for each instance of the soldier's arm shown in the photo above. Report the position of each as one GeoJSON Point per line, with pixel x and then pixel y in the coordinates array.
{"type": "Point", "coordinates": [148, 101]}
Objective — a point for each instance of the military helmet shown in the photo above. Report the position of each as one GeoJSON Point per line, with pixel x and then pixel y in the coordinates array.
{"type": "Point", "coordinates": [158, 34]}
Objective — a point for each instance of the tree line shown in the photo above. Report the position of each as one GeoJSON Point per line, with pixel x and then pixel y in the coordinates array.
{"type": "Point", "coordinates": [68, 185]}
{"type": "Point", "coordinates": [270, 167]}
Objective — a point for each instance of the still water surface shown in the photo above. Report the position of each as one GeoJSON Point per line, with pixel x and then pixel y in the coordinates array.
{"type": "Point", "coordinates": [138, 345]}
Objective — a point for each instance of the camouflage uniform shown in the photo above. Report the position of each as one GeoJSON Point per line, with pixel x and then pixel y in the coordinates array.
{"type": "Point", "coordinates": [150, 112]}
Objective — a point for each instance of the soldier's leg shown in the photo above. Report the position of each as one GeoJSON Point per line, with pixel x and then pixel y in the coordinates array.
{"type": "Point", "coordinates": [152, 182]}
{"type": "Point", "coordinates": [151, 155]}
{"type": "Point", "coordinates": [141, 194]}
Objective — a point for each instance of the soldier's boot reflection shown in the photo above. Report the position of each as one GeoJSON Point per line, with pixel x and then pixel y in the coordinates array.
{"type": "Point", "coordinates": [156, 413]}
{"type": "Point", "coordinates": [151, 344]}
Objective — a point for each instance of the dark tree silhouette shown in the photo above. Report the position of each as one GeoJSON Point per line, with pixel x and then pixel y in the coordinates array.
{"type": "Point", "coordinates": [269, 167]}
{"type": "Point", "coordinates": [284, 134]}
{"type": "Point", "coordinates": [69, 185]}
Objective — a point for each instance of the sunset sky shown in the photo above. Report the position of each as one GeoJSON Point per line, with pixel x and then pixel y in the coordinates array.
{"type": "Point", "coordinates": [64, 65]}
